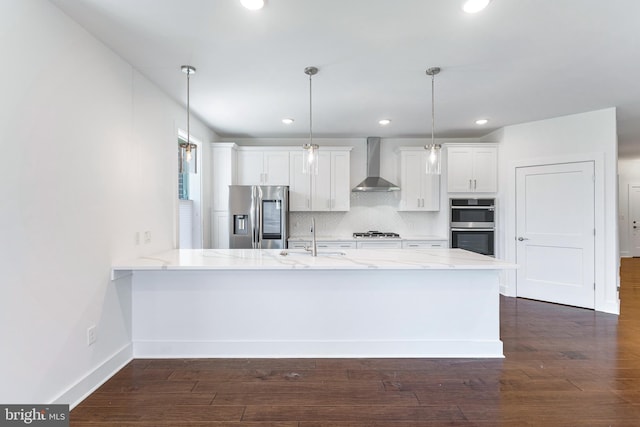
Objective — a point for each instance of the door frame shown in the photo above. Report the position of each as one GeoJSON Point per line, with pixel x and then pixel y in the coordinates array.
{"type": "Point", "coordinates": [602, 297]}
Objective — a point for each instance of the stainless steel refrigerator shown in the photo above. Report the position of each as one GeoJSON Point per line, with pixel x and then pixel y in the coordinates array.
{"type": "Point", "coordinates": [259, 217]}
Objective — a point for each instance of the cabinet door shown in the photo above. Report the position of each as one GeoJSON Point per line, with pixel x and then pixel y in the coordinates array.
{"type": "Point", "coordinates": [430, 190]}
{"type": "Point", "coordinates": [459, 169]}
{"type": "Point", "coordinates": [340, 181]}
{"type": "Point", "coordinates": [299, 185]}
{"type": "Point", "coordinates": [411, 172]}
{"type": "Point", "coordinates": [220, 230]}
{"type": "Point", "coordinates": [485, 169]}
{"type": "Point", "coordinates": [250, 168]}
{"type": "Point", "coordinates": [223, 175]}
{"type": "Point", "coordinates": [276, 168]}
{"type": "Point", "coordinates": [321, 184]}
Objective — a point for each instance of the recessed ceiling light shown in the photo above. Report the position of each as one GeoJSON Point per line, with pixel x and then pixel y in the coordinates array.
{"type": "Point", "coordinates": [253, 4]}
{"type": "Point", "coordinates": [482, 122]}
{"type": "Point", "coordinates": [287, 121]}
{"type": "Point", "coordinates": [474, 6]}
{"type": "Point", "coordinates": [384, 122]}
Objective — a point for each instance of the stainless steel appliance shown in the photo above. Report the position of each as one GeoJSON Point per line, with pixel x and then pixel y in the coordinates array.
{"type": "Point", "coordinates": [373, 181]}
{"type": "Point", "coordinates": [472, 225]}
{"type": "Point", "coordinates": [259, 217]}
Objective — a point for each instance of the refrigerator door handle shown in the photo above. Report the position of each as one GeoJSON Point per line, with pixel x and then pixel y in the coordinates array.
{"type": "Point", "coordinates": [259, 216]}
{"type": "Point", "coordinates": [252, 216]}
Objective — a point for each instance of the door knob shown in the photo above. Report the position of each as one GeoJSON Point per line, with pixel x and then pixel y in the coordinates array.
{"type": "Point", "coordinates": [522, 239]}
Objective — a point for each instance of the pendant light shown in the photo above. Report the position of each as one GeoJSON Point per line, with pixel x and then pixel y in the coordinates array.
{"type": "Point", "coordinates": [188, 152]}
{"type": "Point", "coordinates": [310, 157]}
{"type": "Point", "coordinates": [435, 150]}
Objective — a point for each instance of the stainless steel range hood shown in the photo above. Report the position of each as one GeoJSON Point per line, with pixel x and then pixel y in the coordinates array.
{"type": "Point", "coordinates": [373, 181]}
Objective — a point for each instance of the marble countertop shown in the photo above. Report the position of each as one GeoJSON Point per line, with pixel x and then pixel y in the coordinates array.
{"type": "Point", "coordinates": [355, 259]}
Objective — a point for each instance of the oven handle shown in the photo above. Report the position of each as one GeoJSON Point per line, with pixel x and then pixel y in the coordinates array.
{"type": "Point", "coordinates": [485, 208]}
{"type": "Point", "coordinates": [473, 229]}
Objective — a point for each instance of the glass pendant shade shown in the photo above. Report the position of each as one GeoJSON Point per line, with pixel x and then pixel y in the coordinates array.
{"type": "Point", "coordinates": [188, 152]}
{"type": "Point", "coordinates": [434, 151]}
{"type": "Point", "coordinates": [187, 157]}
{"type": "Point", "coordinates": [310, 156]}
{"type": "Point", "coordinates": [434, 159]}
{"type": "Point", "coordinates": [310, 159]}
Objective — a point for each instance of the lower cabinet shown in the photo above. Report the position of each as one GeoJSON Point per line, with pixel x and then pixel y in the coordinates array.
{"type": "Point", "coordinates": [298, 244]}
{"type": "Point", "coordinates": [424, 244]}
{"type": "Point", "coordinates": [370, 244]}
{"type": "Point", "coordinates": [336, 245]}
{"type": "Point", "coordinates": [378, 244]}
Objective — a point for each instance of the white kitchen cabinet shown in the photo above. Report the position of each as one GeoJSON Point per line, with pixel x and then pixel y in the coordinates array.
{"type": "Point", "coordinates": [472, 169]}
{"type": "Point", "coordinates": [330, 190]}
{"type": "Point", "coordinates": [379, 244]}
{"type": "Point", "coordinates": [298, 244]}
{"type": "Point", "coordinates": [340, 244]}
{"type": "Point", "coordinates": [424, 244]}
{"type": "Point", "coordinates": [220, 230]}
{"type": "Point", "coordinates": [323, 244]}
{"type": "Point", "coordinates": [223, 175]}
{"type": "Point", "coordinates": [263, 167]}
{"type": "Point", "coordinates": [418, 191]}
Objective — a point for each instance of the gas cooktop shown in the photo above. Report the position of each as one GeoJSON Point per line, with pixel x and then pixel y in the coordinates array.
{"type": "Point", "coordinates": [376, 235]}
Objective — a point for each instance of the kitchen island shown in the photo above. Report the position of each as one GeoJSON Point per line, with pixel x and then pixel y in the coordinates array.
{"type": "Point", "coordinates": [352, 303]}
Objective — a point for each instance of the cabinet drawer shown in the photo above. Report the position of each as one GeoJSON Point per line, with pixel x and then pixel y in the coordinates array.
{"type": "Point", "coordinates": [298, 245]}
{"type": "Point", "coordinates": [335, 245]}
{"type": "Point", "coordinates": [388, 244]}
{"type": "Point", "coordinates": [423, 244]}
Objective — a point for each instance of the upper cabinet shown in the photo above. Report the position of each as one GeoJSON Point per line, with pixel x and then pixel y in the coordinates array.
{"type": "Point", "coordinates": [329, 190]}
{"type": "Point", "coordinates": [259, 166]}
{"type": "Point", "coordinates": [418, 191]}
{"type": "Point", "coordinates": [472, 168]}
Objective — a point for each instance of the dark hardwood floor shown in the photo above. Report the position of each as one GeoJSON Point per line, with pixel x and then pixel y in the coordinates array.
{"type": "Point", "coordinates": [564, 366]}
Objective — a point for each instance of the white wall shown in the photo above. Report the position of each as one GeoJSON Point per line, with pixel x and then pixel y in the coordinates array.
{"type": "Point", "coordinates": [89, 159]}
{"type": "Point", "coordinates": [571, 138]}
{"type": "Point", "coordinates": [628, 173]}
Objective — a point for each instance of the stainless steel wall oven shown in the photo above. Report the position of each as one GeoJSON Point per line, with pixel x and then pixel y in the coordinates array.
{"type": "Point", "coordinates": [472, 225]}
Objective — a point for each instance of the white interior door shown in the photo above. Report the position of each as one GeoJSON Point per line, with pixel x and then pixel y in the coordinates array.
{"type": "Point", "coordinates": [555, 233]}
{"type": "Point", "coordinates": [634, 219]}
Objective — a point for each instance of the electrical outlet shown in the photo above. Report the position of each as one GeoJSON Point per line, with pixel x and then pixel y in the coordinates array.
{"type": "Point", "coordinates": [91, 335]}
{"type": "Point", "coordinates": [147, 237]}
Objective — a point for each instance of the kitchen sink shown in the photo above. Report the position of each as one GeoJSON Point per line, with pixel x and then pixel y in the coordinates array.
{"type": "Point", "coordinates": [307, 253]}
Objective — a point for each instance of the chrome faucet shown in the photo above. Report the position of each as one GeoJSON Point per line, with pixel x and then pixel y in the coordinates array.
{"type": "Point", "coordinates": [314, 247]}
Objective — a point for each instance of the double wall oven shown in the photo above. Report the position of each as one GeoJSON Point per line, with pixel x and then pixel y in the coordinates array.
{"type": "Point", "coordinates": [472, 225]}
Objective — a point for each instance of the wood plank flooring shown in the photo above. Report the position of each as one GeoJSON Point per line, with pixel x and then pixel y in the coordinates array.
{"type": "Point", "coordinates": [564, 366]}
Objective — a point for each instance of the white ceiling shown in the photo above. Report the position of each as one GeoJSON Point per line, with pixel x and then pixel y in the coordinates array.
{"type": "Point", "coordinates": [517, 61]}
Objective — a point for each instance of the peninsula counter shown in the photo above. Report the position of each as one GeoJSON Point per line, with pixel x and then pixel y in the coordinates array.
{"type": "Point", "coordinates": [353, 303]}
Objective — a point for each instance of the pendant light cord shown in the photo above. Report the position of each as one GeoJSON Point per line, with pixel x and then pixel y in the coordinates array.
{"type": "Point", "coordinates": [433, 109]}
{"type": "Point", "coordinates": [188, 114]}
{"type": "Point", "coordinates": [310, 113]}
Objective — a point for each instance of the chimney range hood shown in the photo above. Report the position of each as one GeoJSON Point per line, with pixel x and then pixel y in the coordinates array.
{"type": "Point", "coordinates": [373, 181]}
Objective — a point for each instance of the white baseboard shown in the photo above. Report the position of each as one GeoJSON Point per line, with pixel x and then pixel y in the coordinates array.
{"type": "Point", "coordinates": [307, 349]}
{"type": "Point", "coordinates": [94, 379]}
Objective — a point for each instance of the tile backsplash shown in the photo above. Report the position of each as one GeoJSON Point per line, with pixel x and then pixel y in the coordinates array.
{"type": "Point", "coordinates": [370, 211]}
